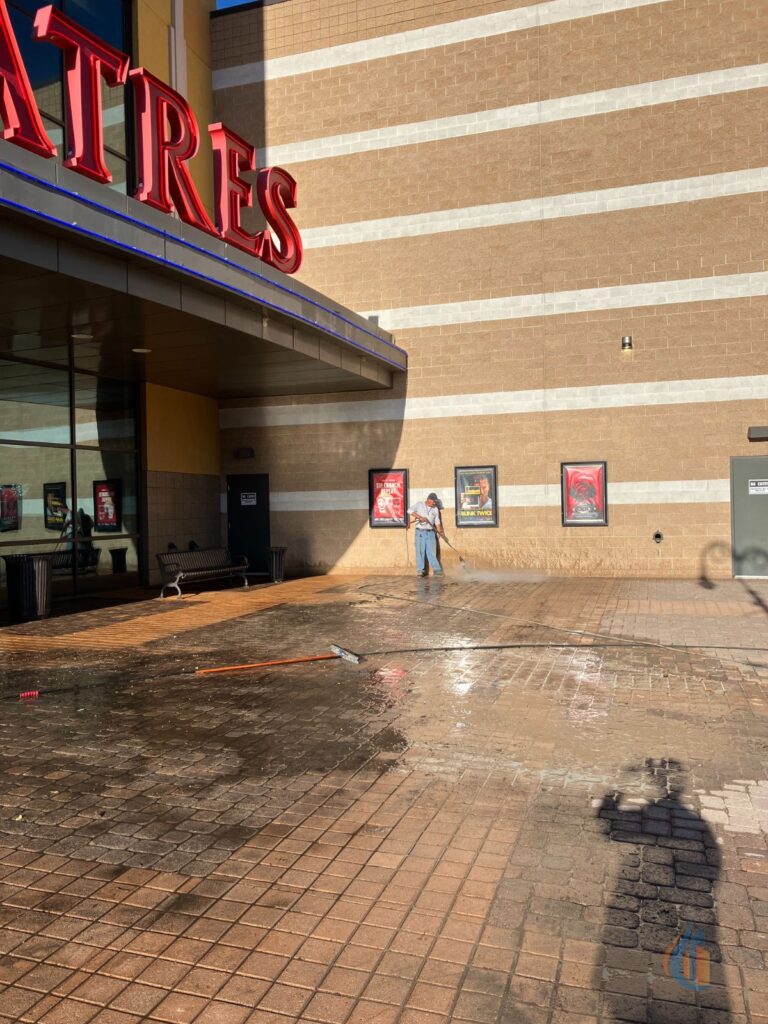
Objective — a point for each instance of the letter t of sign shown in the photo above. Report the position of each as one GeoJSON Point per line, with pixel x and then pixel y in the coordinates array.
{"type": "Point", "coordinates": [21, 118]}
{"type": "Point", "coordinates": [87, 60]}
{"type": "Point", "coordinates": [167, 137]}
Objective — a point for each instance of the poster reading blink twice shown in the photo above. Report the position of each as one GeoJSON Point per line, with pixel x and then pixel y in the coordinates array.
{"type": "Point", "coordinates": [476, 501]}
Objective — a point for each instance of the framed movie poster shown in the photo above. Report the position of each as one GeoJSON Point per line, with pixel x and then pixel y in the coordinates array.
{"type": "Point", "coordinates": [388, 497]}
{"type": "Point", "coordinates": [55, 509]}
{"type": "Point", "coordinates": [107, 496]}
{"type": "Point", "coordinates": [476, 498]}
{"type": "Point", "coordinates": [583, 493]}
{"type": "Point", "coordinates": [10, 507]}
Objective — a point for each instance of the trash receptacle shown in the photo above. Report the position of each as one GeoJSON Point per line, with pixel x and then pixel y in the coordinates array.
{"type": "Point", "coordinates": [277, 564]}
{"type": "Point", "coordinates": [119, 556]}
{"type": "Point", "coordinates": [29, 587]}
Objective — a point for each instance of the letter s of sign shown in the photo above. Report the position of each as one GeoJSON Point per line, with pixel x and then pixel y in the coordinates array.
{"type": "Point", "coordinates": [21, 118]}
{"type": "Point", "coordinates": [276, 191]}
{"type": "Point", "coordinates": [87, 60]}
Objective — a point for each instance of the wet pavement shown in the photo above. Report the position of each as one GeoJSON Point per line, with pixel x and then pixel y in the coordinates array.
{"type": "Point", "coordinates": [534, 800]}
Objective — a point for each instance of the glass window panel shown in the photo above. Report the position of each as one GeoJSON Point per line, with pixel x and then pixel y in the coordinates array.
{"type": "Point", "coordinates": [55, 132]}
{"type": "Point", "coordinates": [32, 6]}
{"type": "Point", "coordinates": [34, 404]}
{"type": "Point", "coordinates": [35, 494]}
{"type": "Point", "coordinates": [119, 170]}
{"type": "Point", "coordinates": [106, 493]}
{"type": "Point", "coordinates": [105, 412]}
{"type": "Point", "coordinates": [106, 563]}
{"type": "Point", "coordinates": [105, 18]}
{"type": "Point", "coordinates": [113, 105]}
{"type": "Point", "coordinates": [48, 348]}
{"type": "Point", "coordinates": [43, 64]}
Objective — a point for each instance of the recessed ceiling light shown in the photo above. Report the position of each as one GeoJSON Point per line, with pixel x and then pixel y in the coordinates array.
{"type": "Point", "coordinates": [141, 351]}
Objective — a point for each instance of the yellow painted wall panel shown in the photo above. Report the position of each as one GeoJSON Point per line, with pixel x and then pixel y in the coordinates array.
{"type": "Point", "coordinates": [197, 29]}
{"type": "Point", "coordinates": [182, 432]}
{"type": "Point", "coordinates": [152, 49]}
{"type": "Point", "coordinates": [200, 96]}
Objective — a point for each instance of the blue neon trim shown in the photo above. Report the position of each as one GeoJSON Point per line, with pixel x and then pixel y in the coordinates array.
{"type": "Point", "coordinates": [194, 248]}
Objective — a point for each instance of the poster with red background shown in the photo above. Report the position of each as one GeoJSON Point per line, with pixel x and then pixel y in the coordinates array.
{"type": "Point", "coordinates": [583, 493]}
{"type": "Point", "coordinates": [106, 506]}
{"type": "Point", "coordinates": [388, 497]}
{"type": "Point", "coordinates": [10, 507]}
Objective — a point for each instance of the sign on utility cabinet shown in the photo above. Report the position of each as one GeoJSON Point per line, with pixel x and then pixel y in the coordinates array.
{"type": "Point", "coordinates": [758, 487]}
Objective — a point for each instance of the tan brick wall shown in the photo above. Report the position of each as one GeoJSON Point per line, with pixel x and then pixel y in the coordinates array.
{"type": "Point", "coordinates": [520, 67]}
{"type": "Point", "coordinates": [682, 240]}
{"type": "Point", "coordinates": [531, 539]}
{"type": "Point", "coordinates": [310, 24]}
{"type": "Point", "coordinates": [661, 442]}
{"type": "Point", "coordinates": [705, 136]}
{"type": "Point", "coordinates": [687, 341]}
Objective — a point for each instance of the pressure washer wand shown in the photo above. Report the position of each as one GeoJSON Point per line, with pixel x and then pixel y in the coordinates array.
{"type": "Point", "coordinates": [461, 559]}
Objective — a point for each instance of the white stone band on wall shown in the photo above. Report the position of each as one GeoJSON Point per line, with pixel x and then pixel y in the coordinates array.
{"type": "Point", "coordinates": [539, 208]}
{"type": "Point", "coordinates": [502, 403]}
{"type": "Point", "coordinates": [644, 492]}
{"type": "Point", "coordinates": [516, 307]}
{"type": "Point", "coordinates": [522, 115]}
{"type": "Point", "coordinates": [445, 34]}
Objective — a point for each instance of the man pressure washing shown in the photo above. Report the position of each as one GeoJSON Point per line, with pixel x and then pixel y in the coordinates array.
{"type": "Point", "coordinates": [426, 516]}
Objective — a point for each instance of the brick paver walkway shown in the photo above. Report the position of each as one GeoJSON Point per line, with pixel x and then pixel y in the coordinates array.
{"type": "Point", "coordinates": [509, 813]}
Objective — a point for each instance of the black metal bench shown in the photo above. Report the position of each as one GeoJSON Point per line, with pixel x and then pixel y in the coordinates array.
{"type": "Point", "coordinates": [177, 567]}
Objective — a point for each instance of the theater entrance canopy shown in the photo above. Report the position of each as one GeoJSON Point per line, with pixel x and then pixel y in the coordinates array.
{"type": "Point", "coordinates": [82, 265]}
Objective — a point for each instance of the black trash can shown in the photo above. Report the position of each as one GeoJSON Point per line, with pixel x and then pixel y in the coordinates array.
{"type": "Point", "coordinates": [277, 564]}
{"type": "Point", "coordinates": [29, 587]}
{"type": "Point", "coordinates": [118, 556]}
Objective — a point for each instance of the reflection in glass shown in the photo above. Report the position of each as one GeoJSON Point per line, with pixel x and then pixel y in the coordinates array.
{"type": "Point", "coordinates": [107, 562]}
{"type": "Point", "coordinates": [105, 18]}
{"type": "Point", "coordinates": [118, 168]}
{"type": "Point", "coordinates": [43, 64]}
{"type": "Point", "coordinates": [40, 477]}
{"type": "Point", "coordinates": [106, 491]}
{"type": "Point", "coordinates": [105, 412]}
{"type": "Point", "coordinates": [34, 404]}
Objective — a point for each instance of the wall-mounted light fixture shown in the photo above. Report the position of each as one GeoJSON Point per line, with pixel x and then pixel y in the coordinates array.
{"type": "Point", "coordinates": [141, 351]}
{"type": "Point", "coordinates": [626, 343]}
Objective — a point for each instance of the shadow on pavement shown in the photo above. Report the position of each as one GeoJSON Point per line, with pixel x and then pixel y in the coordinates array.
{"type": "Point", "coordinates": [662, 960]}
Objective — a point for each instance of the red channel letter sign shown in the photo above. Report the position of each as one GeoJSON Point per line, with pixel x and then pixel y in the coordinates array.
{"type": "Point", "coordinates": [167, 137]}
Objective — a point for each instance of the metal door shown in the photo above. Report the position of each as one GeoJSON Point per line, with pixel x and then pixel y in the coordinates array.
{"type": "Point", "coordinates": [248, 519]}
{"type": "Point", "coordinates": [749, 512]}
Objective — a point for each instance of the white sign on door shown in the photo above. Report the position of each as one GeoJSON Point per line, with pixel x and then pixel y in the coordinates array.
{"type": "Point", "coordinates": [249, 498]}
{"type": "Point", "coordinates": [758, 487]}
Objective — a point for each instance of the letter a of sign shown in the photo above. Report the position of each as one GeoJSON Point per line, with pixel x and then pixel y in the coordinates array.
{"type": "Point", "coordinates": [167, 137]}
{"type": "Point", "coordinates": [21, 118]}
{"type": "Point", "coordinates": [87, 60]}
